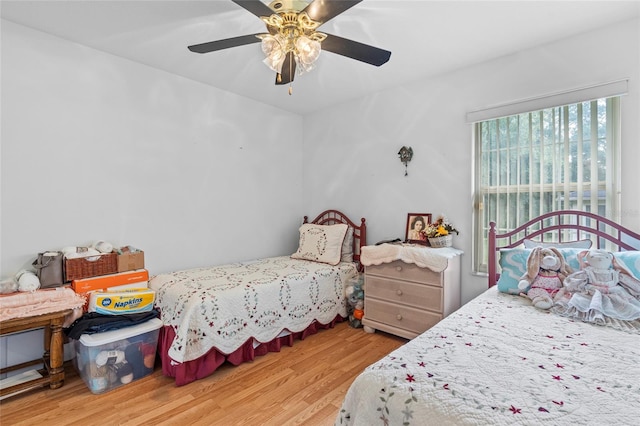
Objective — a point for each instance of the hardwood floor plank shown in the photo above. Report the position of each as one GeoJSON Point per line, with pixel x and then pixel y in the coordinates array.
{"type": "Point", "coordinates": [303, 384]}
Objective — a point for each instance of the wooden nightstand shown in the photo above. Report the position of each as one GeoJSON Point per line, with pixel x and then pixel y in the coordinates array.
{"type": "Point", "coordinates": [53, 357]}
{"type": "Point", "coordinates": [406, 300]}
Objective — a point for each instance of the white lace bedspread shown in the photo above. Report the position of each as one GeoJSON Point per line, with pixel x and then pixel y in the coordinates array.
{"type": "Point", "coordinates": [225, 306]}
{"type": "Point", "coordinates": [435, 259]}
{"type": "Point", "coordinates": [499, 361]}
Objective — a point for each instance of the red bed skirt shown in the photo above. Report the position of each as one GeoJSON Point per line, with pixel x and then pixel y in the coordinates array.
{"type": "Point", "coordinates": [190, 371]}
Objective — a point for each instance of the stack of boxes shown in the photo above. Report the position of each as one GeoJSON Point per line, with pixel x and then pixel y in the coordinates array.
{"type": "Point", "coordinates": [129, 277]}
{"type": "Point", "coordinates": [100, 286]}
{"type": "Point", "coordinates": [111, 359]}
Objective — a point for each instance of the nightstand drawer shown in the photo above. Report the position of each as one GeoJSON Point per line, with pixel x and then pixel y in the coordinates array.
{"type": "Point", "coordinates": [404, 317]}
{"type": "Point", "coordinates": [417, 295]}
{"type": "Point", "coordinates": [405, 271]}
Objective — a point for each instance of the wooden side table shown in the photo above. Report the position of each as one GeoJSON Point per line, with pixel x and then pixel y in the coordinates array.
{"type": "Point", "coordinates": [53, 357]}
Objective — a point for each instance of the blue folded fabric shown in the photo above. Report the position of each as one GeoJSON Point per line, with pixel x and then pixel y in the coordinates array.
{"type": "Point", "coordinates": [93, 322]}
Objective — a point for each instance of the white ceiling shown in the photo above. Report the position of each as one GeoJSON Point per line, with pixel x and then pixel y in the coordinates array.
{"type": "Point", "coordinates": [426, 38]}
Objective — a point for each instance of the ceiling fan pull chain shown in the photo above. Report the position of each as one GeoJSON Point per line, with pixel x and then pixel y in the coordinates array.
{"type": "Point", "coordinates": [291, 59]}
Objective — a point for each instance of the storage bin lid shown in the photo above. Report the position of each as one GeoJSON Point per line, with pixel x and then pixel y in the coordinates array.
{"type": "Point", "coordinates": [98, 339]}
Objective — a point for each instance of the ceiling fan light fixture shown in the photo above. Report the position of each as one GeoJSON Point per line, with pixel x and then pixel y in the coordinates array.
{"type": "Point", "coordinates": [306, 53]}
{"type": "Point", "coordinates": [291, 32]}
{"type": "Point", "coordinates": [275, 54]}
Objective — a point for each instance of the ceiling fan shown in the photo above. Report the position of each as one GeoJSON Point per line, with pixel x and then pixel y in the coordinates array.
{"type": "Point", "coordinates": [292, 42]}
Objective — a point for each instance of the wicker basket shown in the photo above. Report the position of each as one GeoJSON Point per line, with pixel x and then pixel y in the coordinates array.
{"type": "Point", "coordinates": [92, 266]}
{"type": "Point", "coordinates": [439, 242]}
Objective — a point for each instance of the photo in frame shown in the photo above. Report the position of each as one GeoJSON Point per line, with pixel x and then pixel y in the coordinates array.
{"type": "Point", "coordinates": [416, 224]}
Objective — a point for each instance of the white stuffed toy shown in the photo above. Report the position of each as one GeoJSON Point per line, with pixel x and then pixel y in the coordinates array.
{"type": "Point", "coordinates": [27, 281]}
{"type": "Point", "coordinates": [599, 271]}
{"type": "Point", "coordinates": [543, 281]}
{"type": "Point", "coordinates": [601, 292]}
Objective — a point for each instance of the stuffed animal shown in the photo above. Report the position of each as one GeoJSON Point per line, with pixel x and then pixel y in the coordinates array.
{"type": "Point", "coordinates": [355, 299]}
{"type": "Point", "coordinates": [543, 281]}
{"type": "Point", "coordinates": [601, 292]}
{"type": "Point", "coordinates": [599, 271]}
{"type": "Point", "coordinates": [27, 281]}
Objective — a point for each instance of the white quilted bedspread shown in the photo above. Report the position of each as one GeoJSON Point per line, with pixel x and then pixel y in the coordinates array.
{"type": "Point", "coordinates": [225, 306]}
{"type": "Point", "coordinates": [499, 361]}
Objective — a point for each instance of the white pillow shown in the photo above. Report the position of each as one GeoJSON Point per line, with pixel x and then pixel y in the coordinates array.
{"type": "Point", "coordinates": [582, 244]}
{"type": "Point", "coordinates": [347, 246]}
{"type": "Point", "coordinates": [321, 243]}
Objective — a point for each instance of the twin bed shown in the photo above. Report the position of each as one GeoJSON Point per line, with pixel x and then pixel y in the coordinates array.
{"type": "Point", "coordinates": [500, 361]}
{"type": "Point", "coordinates": [238, 311]}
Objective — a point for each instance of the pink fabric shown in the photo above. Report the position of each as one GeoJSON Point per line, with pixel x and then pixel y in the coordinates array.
{"type": "Point", "coordinates": [544, 285]}
{"type": "Point", "coordinates": [190, 371]}
{"type": "Point", "coordinates": [39, 302]}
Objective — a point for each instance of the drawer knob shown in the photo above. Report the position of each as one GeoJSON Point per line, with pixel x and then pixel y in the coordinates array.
{"type": "Point", "coordinates": [399, 317]}
{"type": "Point", "coordinates": [399, 292]}
{"type": "Point", "coordinates": [398, 268]}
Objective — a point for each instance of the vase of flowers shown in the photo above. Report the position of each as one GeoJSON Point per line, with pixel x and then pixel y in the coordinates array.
{"type": "Point", "coordinates": [440, 233]}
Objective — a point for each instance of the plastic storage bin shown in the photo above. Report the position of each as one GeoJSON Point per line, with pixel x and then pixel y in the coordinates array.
{"type": "Point", "coordinates": [108, 360]}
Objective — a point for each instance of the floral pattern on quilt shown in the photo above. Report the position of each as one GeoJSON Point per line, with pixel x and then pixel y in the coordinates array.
{"type": "Point", "coordinates": [223, 307]}
{"type": "Point", "coordinates": [499, 361]}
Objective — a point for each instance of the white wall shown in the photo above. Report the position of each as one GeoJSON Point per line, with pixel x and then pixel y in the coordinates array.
{"type": "Point", "coordinates": [358, 141]}
{"type": "Point", "coordinates": [98, 147]}
{"type": "Point", "coordinates": [94, 146]}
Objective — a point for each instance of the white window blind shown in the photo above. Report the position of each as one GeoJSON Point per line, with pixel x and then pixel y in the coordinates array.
{"type": "Point", "coordinates": [534, 162]}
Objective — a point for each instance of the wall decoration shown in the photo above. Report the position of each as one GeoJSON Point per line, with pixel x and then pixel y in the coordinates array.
{"type": "Point", "coordinates": [405, 154]}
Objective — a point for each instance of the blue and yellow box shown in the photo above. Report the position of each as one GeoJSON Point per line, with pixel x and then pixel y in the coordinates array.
{"type": "Point", "coordinates": [127, 301]}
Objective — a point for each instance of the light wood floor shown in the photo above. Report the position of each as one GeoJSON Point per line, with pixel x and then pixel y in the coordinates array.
{"type": "Point", "coordinates": [303, 384]}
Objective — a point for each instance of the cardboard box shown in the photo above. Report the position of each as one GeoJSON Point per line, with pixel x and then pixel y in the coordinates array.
{"type": "Point", "coordinates": [139, 277]}
{"type": "Point", "coordinates": [130, 261]}
{"type": "Point", "coordinates": [111, 359]}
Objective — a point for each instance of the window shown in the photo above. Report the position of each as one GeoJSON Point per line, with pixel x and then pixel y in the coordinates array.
{"type": "Point", "coordinates": [551, 159]}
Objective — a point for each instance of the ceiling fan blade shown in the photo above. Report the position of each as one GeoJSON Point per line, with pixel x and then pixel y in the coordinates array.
{"type": "Point", "coordinates": [255, 6]}
{"type": "Point", "coordinates": [212, 46]}
{"type": "Point", "coordinates": [288, 70]}
{"type": "Point", "coordinates": [324, 10]}
{"type": "Point", "coordinates": [355, 50]}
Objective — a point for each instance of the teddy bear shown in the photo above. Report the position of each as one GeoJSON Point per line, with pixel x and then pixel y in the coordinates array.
{"type": "Point", "coordinates": [543, 280]}
{"type": "Point", "coordinates": [355, 299]}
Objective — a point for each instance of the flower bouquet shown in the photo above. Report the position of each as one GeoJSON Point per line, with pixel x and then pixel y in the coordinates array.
{"type": "Point", "coordinates": [440, 232]}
